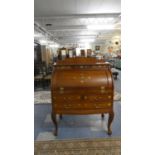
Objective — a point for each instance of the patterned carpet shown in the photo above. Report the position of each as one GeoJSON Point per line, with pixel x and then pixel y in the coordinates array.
{"type": "Point", "coordinates": [107, 146]}
{"type": "Point", "coordinates": [45, 97]}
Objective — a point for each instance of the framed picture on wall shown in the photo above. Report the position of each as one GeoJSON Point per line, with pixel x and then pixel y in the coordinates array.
{"type": "Point", "coordinates": [97, 48]}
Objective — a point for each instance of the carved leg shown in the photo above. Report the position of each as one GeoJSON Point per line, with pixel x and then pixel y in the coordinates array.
{"type": "Point", "coordinates": [53, 116]}
{"type": "Point", "coordinates": [111, 116]}
{"type": "Point", "coordinates": [102, 115]}
{"type": "Point", "coordinates": [60, 116]}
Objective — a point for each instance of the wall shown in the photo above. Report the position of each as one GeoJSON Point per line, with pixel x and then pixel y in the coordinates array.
{"type": "Point", "coordinates": [109, 46]}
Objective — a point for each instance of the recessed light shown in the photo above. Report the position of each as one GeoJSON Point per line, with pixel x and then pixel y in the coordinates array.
{"type": "Point", "coordinates": [48, 24]}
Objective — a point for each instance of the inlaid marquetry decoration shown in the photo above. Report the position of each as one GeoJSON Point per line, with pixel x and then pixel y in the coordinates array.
{"type": "Point", "coordinates": [61, 90]}
{"type": "Point", "coordinates": [82, 78]}
{"type": "Point", "coordinates": [102, 89]}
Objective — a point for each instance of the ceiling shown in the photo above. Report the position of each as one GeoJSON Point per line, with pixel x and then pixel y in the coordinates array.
{"type": "Point", "coordinates": [73, 21]}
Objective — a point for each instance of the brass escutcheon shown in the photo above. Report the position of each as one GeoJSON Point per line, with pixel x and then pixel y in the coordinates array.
{"type": "Point", "coordinates": [102, 87]}
{"type": "Point", "coordinates": [85, 97]}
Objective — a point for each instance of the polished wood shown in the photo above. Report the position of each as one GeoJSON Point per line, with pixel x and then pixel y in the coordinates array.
{"type": "Point", "coordinates": [82, 86]}
{"type": "Point", "coordinates": [80, 61]}
{"type": "Point", "coordinates": [83, 54]}
{"type": "Point", "coordinates": [111, 117]}
{"type": "Point", "coordinates": [102, 115]}
{"type": "Point", "coordinates": [53, 116]}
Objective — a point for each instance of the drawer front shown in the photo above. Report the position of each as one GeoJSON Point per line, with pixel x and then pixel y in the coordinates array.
{"type": "Point", "coordinates": [101, 90]}
{"type": "Point", "coordinates": [82, 105]}
{"type": "Point", "coordinates": [82, 98]}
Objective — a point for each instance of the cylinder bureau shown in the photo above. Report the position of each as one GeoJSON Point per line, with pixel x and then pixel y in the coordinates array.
{"type": "Point", "coordinates": [82, 86]}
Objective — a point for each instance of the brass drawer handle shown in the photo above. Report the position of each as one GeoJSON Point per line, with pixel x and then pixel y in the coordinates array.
{"type": "Point", "coordinates": [102, 91]}
{"type": "Point", "coordinates": [102, 87]}
{"type": "Point", "coordinates": [85, 97]}
{"type": "Point", "coordinates": [67, 106]}
{"type": "Point", "coordinates": [109, 96]}
{"type": "Point", "coordinates": [89, 77]}
{"type": "Point", "coordinates": [81, 81]}
{"type": "Point", "coordinates": [96, 106]}
{"type": "Point", "coordinates": [61, 88]}
{"type": "Point", "coordinates": [109, 104]}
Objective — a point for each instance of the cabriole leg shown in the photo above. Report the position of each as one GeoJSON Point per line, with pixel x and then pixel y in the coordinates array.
{"type": "Point", "coordinates": [111, 117]}
{"type": "Point", "coordinates": [102, 115]}
{"type": "Point", "coordinates": [60, 116]}
{"type": "Point", "coordinates": [53, 116]}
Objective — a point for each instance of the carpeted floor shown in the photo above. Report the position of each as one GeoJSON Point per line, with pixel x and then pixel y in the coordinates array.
{"type": "Point", "coordinates": [108, 146]}
{"type": "Point", "coordinates": [74, 126]}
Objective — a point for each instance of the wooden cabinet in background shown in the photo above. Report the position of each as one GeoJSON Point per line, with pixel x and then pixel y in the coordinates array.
{"type": "Point", "coordinates": [83, 53]}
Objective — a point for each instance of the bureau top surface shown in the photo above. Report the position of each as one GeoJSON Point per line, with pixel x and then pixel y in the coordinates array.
{"type": "Point", "coordinates": [80, 61]}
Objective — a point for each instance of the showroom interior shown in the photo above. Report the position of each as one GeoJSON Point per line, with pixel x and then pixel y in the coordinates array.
{"type": "Point", "coordinates": [76, 30]}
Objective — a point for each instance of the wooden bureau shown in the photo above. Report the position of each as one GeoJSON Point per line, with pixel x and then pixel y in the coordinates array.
{"type": "Point", "coordinates": [82, 86]}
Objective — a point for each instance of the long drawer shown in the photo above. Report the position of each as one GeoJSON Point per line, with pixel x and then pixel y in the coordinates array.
{"type": "Point", "coordinates": [82, 105]}
{"type": "Point", "coordinates": [82, 97]}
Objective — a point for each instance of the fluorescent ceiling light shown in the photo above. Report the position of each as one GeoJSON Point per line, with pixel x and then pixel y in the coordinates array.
{"type": "Point", "coordinates": [43, 41]}
{"type": "Point", "coordinates": [87, 40]}
{"type": "Point", "coordinates": [51, 42]}
{"type": "Point", "coordinates": [100, 27]}
{"type": "Point", "coordinates": [36, 35]}
{"type": "Point", "coordinates": [54, 45]}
